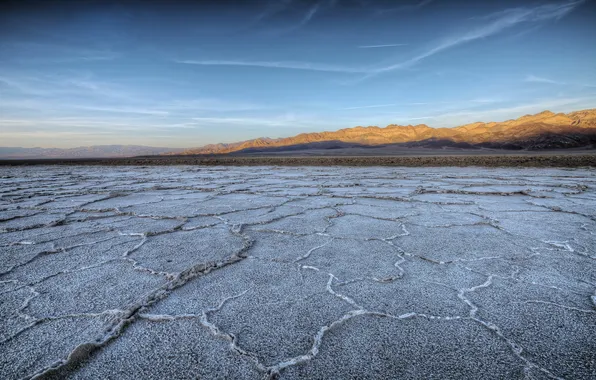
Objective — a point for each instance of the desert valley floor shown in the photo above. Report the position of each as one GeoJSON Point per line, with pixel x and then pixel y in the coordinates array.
{"type": "Point", "coordinates": [302, 272]}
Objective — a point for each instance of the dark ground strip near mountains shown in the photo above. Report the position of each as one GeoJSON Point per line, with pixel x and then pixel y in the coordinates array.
{"type": "Point", "coordinates": [455, 158]}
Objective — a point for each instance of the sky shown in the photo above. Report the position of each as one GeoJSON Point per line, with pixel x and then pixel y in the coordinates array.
{"type": "Point", "coordinates": [186, 74]}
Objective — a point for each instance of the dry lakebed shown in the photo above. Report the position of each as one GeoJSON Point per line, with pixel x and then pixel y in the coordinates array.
{"type": "Point", "coordinates": [189, 272]}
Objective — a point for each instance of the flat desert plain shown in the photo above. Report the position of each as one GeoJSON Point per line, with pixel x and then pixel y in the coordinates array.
{"type": "Point", "coordinates": [297, 272]}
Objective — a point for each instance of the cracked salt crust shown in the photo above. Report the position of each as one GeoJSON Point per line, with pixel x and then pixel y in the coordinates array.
{"type": "Point", "coordinates": [302, 272]}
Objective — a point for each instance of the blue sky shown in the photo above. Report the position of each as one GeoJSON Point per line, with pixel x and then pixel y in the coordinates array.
{"type": "Point", "coordinates": [182, 74]}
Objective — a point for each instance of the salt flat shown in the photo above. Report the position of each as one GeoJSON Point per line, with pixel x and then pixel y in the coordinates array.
{"type": "Point", "coordinates": [302, 272]}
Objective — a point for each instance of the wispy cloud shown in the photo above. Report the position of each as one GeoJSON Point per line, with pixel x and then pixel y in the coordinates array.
{"type": "Point", "coordinates": [51, 86]}
{"type": "Point", "coordinates": [371, 106]}
{"type": "Point", "coordinates": [462, 116]}
{"type": "Point", "coordinates": [309, 15]}
{"type": "Point", "coordinates": [26, 85]}
{"type": "Point", "coordinates": [402, 8]}
{"type": "Point", "coordinates": [209, 104]}
{"type": "Point", "coordinates": [34, 53]}
{"type": "Point", "coordinates": [247, 121]}
{"type": "Point", "coordinates": [532, 78]}
{"type": "Point", "coordinates": [272, 9]}
{"type": "Point", "coordinates": [288, 119]}
{"type": "Point", "coordinates": [481, 101]}
{"type": "Point", "coordinates": [535, 79]}
{"type": "Point", "coordinates": [492, 24]}
{"type": "Point", "coordinates": [499, 22]}
{"type": "Point", "coordinates": [278, 65]}
{"type": "Point", "coordinates": [380, 46]}
{"type": "Point", "coordinates": [95, 87]}
{"type": "Point", "coordinates": [235, 120]}
{"type": "Point", "coordinates": [96, 125]}
{"type": "Point", "coordinates": [131, 110]}
{"type": "Point", "coordinates": [302, 14]}
{"type": "Point", "coordinates": [385, 105]}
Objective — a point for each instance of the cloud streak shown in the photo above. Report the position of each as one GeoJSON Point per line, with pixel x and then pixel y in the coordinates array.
{"type": "Point", "coordinates": [371, 106]}
{"type": "Point", "coordinates": [294, 65]}
{"type": "Point", "coordinates": [125, 110]}
{"type": "Point", "coordinates": [380, 46]}
{"type": "Point", "coordinates": [532, 78]}
{"type": "Point", "coordinates": [462, 116]}
{"type": "Point", "coordinates": [386, 105]}
{"type": "Point", "coordinates": [287, 119]}
{"type": "Point", "coordinates": [493, 24]}
{"type": "Point", "coordinates": [499, 22]}
{"type": "Point", "coordinates": [535, 79]}
{"type": "Point", "coordinates": [403, 8]}
{"type": "Point", "coordinates": [273, 9]}
{"type": "Point", "coordinates": [309, 15]}
{"type": "Point", "coordinates": [35, 53]}
{"type": "Point", "coordinates": [286, 5]}
{"type": "Point", "coordinates": [51, 86]}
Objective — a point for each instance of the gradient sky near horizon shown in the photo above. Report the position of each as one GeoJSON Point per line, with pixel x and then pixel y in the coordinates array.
{"type": "Point", "coordinates": [186, 74]}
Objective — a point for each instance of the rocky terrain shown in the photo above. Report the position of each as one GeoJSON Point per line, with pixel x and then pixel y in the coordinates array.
{"type": "Point", "coordinates": [409, 157]}
{"type": "Point", "coordinates": [545, 130]}
{"type": "Point", "coordinates": [299, 272]}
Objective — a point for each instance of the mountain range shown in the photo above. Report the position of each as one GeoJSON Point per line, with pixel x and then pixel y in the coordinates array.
{"type": "Point", "coordinates": [545, 130]}
{"type": "Point", "coordinates": [542, 131]}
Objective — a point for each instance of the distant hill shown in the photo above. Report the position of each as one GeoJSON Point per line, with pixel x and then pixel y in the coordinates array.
{"type": "Point", "coordinates": [96, 151]}
{"type": "Point", "coordinates": [545, 130]}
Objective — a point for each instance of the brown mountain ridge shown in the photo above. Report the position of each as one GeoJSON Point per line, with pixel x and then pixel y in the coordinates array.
{"type": "Point", "coordinates": [545, 130]}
